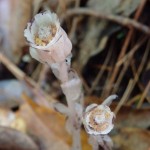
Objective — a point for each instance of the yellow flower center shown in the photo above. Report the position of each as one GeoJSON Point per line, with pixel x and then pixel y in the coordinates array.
{"type": "Point", "coordinates": [98, 119]}
{"type": "Point", "coordinates": [45, 34]}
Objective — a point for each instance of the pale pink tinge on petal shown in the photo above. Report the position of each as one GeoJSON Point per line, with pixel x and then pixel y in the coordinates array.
{"type": "Point", "coordinates": [48, 38]}
{"type": "Point", "coordinates": [45, 56]}
{"type": "Point", "coordinates": [34, 53]}
{"type": "Point", "coordinates": [62, 48]}
{"type": "Point", "coordinates": [67, 43]}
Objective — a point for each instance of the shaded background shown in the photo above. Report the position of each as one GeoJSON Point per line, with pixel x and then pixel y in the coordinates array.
{"type": "Point", "coordinates": [111, 51]}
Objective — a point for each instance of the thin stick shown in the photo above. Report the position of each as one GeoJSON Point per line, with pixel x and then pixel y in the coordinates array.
{"type": "Point", "coordinates": [125, 46]}
{"type": "Point", "coordinates": [125, 96]}
{"type": "Point", "coordinates": [100, 73]}
{"type": "Point", "coordinates": [116, 68]}
{"type": "Point", "coordinates": [20, 75]}
{"type": "Point", "coordinates": [144, 95]}
{"type": "Point", "coordinates": [136, 77]}
{"type": "Point", "coordinates": [139, 69]}
{"type": "Point", "coordinates": [42, 75]}
{"type": "Point", "coordinates": [103, 67]}
{"type": "Point", "coordinates": [106, 86]}
{"type": "Point", "coordinates": [115, 18]}
{"type": "Point", "coordinates": [16, 71]}
{"type": "Point", "coordinates": [127, 62]}
{"type": "Point", "coordinates": [131, 52]}
{"type": "Point", "coordinates": [35, 72]}
{"type": "Point", "coordinates": [141, 87]}
{"type": "Point", "coordinates": [134, 99]}
{"type": "Point", "coordinates": [74, 22]}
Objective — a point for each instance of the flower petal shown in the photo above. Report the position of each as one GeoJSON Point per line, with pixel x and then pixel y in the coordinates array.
{"type": "Point", "coordinates": [34, 54]}
{"type": "Point", "coordinates": [88, 108]}
{"type": "Point", "coordinates": [109, 100]}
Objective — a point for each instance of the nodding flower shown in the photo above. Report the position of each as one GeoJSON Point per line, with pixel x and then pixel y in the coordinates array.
{"type": "Point", "coordinates": [98, 119]}
{"type": "Point", "coordinates": [48, 41]}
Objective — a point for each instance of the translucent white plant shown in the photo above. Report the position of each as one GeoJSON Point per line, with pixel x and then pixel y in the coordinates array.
{"type": "Point", "coordinates": [98, 122]}
{"type": "Point", "coordinates": [50, 44]}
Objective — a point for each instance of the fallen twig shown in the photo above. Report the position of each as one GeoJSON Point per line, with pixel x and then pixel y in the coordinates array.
{"type": "Point", "coordinates": [127, 62]}
{"type": "Point", "coordinates": [74, 22]}
{"type": "Point", "coordinates": [126, 44]}
{"type": "Point", "coordinates": [101, 71]}
{"type": "Point", "coordinates": [125, 96]}
{"type": "Point", "coordinates": [20, 75]}
{"type": "Point", "coordinates": [144, 95]}
{"type": "Point", "coordinates": [115, 18]}
{"type": "Point", "coordinates": [134, 99]}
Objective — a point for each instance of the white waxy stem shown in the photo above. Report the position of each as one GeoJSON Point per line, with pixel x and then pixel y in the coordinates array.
{"type": "Point", "coordinates": [72, 89]}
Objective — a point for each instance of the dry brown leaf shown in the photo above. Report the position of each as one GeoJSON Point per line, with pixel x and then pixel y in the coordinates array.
{"type": "Point", "coordinates": [13, 139]}
{"type": "Point", "coordinates": [132, 139]}
{"type": "Point", "coordinates": [84, 140]}
{"type": "Point", "coordinates": [129, 117]}
{"type": "Point", "coordinates": [45, 124]}
{"type": "Point", "coordinates": [49, 125]}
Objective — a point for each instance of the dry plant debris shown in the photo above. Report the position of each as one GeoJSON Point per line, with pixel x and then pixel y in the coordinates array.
{"type": "Point", "coordinates": [111, 54]}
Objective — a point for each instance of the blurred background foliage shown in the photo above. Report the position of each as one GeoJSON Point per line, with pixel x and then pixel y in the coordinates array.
{"type": "Point", "coordinates": [111, 51]}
